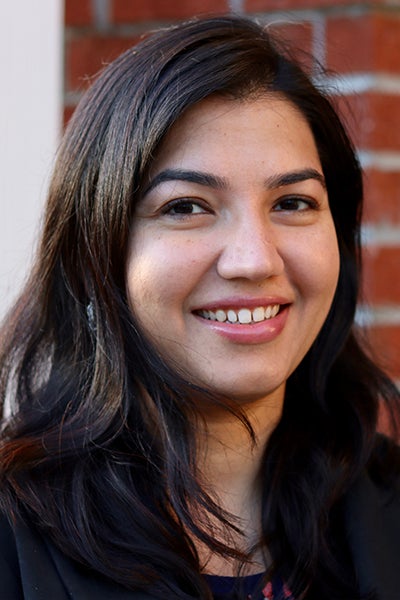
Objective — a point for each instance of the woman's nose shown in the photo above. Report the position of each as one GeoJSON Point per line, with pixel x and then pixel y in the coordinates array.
{"type": "Point", "coordinates": [250, 251]}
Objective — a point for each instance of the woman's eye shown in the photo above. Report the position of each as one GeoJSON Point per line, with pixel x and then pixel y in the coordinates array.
{"type": "Point", "coordinates": [183, 207]}
{"type": "Point", "coordinates": [294, 203]}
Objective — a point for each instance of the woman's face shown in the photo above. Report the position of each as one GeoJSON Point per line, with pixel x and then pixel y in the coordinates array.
{"type": "Point", "coordinates": [233, 259]}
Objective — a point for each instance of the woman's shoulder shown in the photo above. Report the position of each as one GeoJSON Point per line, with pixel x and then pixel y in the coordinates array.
{"type": "Point", "coordinates": [26, 564]}
{"type": "Point", "coordinates": [372, 521]}
{"type": "Point", "coordinates": [32, 568]}
{"type": "Point", "coordinates": [11, 585]}
{"type": "Point", "coordinates": [383, 468]}
{"type": "Point", "coordinates": [377, 488]}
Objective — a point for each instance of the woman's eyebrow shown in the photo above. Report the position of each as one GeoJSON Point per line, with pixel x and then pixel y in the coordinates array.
{"type": "Point", "coordinates": [282, 179]}
{"type": "Point", "coordinates": [199, 177]}
{"type": "Point", "coordinates": [217, 182]}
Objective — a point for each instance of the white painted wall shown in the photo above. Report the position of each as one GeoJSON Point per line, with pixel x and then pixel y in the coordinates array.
{"type": "Point", "coordinates": [31, 51]}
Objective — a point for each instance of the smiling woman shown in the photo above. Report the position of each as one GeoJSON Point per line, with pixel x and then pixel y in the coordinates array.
{"type": "Point", "coordinates": [192, 412]}
{"type": "Point", "coordinates": [224, 269]}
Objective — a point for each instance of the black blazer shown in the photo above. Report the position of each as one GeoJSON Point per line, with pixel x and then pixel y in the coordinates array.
{"type": "Point", "coordinates": [31, 568]}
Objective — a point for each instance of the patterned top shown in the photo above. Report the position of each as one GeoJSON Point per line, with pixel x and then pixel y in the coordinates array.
{"type": "Point", "coordinates": [251, 587]}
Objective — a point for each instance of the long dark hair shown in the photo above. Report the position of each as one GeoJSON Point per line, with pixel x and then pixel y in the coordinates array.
{"type": "Point", "coordinates": [97, 449]}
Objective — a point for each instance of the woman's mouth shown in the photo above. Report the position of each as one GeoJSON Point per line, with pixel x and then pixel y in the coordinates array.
{"type": "Point", "coordinates": [241, 316]}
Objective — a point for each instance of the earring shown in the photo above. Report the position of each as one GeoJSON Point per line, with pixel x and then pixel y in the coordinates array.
{"type": "Point", "coordinates": [90, 316]}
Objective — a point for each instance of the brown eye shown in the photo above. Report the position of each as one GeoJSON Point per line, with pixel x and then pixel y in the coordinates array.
{"type": "Point", "coordinates": [295, 204]}
{"type": "Point", "coordinates": [183, 207]}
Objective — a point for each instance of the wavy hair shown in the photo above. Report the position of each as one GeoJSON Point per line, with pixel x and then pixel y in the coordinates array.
{"type": "Point", "coordinates": [98, 448]}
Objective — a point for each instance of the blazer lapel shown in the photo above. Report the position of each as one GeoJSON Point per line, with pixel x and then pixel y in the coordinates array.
{"type": "Point", "coordinates": [47, 574]}
{"type": "Point", "coordinates": [372, 517]}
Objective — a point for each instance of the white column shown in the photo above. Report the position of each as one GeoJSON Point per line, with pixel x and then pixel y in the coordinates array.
{"type": "Point", "coordinates": [31, 51]}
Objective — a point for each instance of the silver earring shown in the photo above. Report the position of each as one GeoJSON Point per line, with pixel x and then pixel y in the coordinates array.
{"type": "Point", "coordinates": [90, 316]}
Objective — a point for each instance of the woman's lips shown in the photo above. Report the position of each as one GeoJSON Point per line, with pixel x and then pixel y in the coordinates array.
{"type": "Point", "coordinates": [246, 325]}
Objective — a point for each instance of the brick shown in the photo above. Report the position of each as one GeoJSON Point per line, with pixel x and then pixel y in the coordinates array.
{"type": "Point", "coordinates": [381, 283]}
{"type": "Point", "coordinates": [364, 43]}
{"type": "Point", "coordinates": [124, 11]}
{"type": "Point", "coordinates": [67, 114]}
{"type": "Point", "coordinates": [261, 5]}
{"type": "Point", "coordinates": [385, 346]}
{"type": "Point", "coordinates": [372, 119]}
{"type": "Point", "coordinates": [382, 197]}
{"type": "Point", "coordinates": [87, 55]}
{"type": "Point", "coordinates": [298, 36]}
{"type": "Point", "coordinates": [388, 420]}
{"type": "Point", "coordinates": [77, 12]}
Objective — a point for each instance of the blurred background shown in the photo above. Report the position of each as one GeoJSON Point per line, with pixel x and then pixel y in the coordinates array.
{"type": "Point", "coordinates": [51, 50]}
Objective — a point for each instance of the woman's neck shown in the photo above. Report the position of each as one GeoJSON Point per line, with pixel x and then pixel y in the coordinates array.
{"type": "Point", "coordinates": [229, 463]}
{"type": "Point", "coordinates": [229, 459]}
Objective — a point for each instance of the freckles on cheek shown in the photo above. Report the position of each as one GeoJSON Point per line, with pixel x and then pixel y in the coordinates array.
{"type": "Point", "coordinates": [153, 276]}
{"type": "Point", "coordinates": [162, 270]}
{"type": "Point", "coordinates": [315, 264]}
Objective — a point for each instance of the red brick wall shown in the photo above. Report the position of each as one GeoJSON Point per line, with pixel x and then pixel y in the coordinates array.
{"type": "Point", "coordinates": [360, 41]}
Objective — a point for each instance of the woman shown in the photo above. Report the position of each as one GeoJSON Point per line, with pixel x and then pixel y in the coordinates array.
{"type": "Point", "coordinates": [191, 412]}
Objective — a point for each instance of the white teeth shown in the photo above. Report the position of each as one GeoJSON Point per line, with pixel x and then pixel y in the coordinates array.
{"type": "Point", "coordinates": [258, 314]}
{"type": "Point", "coordinates": [232, 316]}
{"type": "Point", "coordinates": [244, 316]}
{"type": "Point", "coordinates": [221, 315]}
{"type": "Point", "coordinates": [274, 311]}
